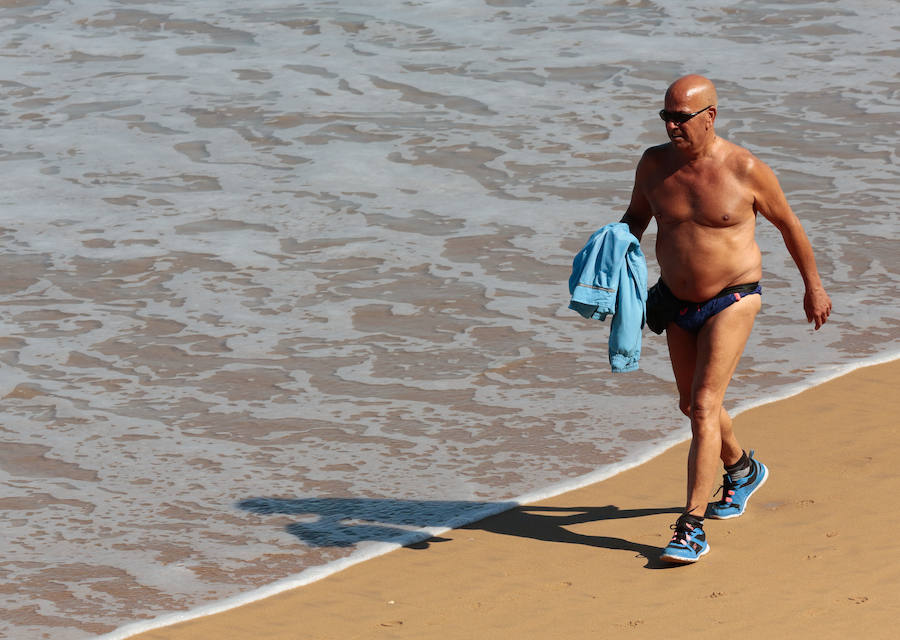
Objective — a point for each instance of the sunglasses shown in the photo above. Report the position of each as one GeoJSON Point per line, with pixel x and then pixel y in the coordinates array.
{"type": "Point", "coordinates": [679, 118]}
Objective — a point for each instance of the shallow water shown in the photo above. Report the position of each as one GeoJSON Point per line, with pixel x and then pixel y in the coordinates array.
{"type": "Point", "coordinates": [285, 280]}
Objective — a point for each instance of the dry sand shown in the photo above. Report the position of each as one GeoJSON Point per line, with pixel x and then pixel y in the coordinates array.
{"type": "Point", "coordinates": [815, 556]}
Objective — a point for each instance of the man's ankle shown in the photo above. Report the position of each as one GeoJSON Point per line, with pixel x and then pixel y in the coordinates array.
{"type": "Point", "coordinates": [691, 518]}
{"type": "Point", "coordinates": [739, 469]}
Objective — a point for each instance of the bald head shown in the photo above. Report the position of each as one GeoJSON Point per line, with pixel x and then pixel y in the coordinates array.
{"type": "Point", "coordinates": [691, 90]}
{"type": "Point", "coordinates": [690, 114]}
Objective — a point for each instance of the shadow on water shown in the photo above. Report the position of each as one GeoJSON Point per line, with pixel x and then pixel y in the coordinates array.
{"type": "Point", "coordinates": [344, 522]}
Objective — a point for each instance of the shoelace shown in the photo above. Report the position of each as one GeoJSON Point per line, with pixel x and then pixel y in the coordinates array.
{"type": "Point", "coordinates": [727, 489]}
{"type": "Point", "coordinates": [681, 529]}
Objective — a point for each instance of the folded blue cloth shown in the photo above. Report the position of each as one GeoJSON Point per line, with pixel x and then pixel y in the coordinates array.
{"type": "Point", "coordinates": [609, 276]}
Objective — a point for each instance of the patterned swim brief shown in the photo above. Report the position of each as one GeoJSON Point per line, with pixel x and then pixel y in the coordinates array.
{"type": "Point", "coordinates": [663, 307]}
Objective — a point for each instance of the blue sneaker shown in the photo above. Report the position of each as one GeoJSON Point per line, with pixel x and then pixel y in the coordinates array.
{"type": "Point", "coordinates": [736, 493]}
{"type": "Point", "coordinates": [688, 543]}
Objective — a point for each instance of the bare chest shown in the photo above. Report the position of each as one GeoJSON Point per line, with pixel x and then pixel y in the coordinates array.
{"type": "Point", "coordinates": [708, 198]}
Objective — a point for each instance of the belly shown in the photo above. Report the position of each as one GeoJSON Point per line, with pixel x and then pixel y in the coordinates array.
{"type": "Point", "coordinates": [698, 264]}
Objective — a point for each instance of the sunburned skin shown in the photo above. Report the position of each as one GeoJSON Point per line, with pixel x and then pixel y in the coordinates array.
{"type": "Point", "coordinates": [705, 194]}
{"type": "Point", "coordinates": [705, 220]}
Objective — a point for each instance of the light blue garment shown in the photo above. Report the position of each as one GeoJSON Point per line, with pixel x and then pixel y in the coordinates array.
{"type": "Point", "coordinates": [609, 275]}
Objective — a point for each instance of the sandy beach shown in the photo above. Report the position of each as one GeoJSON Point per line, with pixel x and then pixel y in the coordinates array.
{"type": "Point", "coordinates": [813, 557]}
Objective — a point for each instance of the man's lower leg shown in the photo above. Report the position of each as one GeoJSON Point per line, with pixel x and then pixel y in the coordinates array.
{"type": "Point", "coordinates": [737, 487]}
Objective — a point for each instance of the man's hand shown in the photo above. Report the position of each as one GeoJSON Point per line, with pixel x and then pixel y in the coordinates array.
{"type": "Point", "coordinates": [817, 305]}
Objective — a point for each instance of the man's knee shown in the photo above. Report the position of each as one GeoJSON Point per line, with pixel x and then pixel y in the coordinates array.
{"type": "Point", "coordinates": [684, 403]}
{"type": "Point", "coordinates": [705, 405]}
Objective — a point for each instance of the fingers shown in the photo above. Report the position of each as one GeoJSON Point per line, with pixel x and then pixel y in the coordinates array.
{"type": "Point", "coordinates": [821, 318]}
{"type": "Point", "coordinates": [817, 310]}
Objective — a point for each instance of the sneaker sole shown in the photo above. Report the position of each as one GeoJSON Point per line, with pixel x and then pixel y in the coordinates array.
{"type": "Point", "coordinates": [746, 500]}
{"type": "Point", "coordinates": [680, 560]}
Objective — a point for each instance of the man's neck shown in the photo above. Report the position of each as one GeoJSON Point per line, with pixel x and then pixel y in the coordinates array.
{"type": "Point", "coordinates": [689, 156]}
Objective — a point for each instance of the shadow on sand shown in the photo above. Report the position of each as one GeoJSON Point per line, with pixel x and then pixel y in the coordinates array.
{"type": "Point", "coordinates": [344, 522]}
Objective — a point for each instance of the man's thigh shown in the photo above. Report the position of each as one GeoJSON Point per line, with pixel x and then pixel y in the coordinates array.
{"type": "Point", "coordinates": [683, 356]}
{"type": "Point", "coordinates": [720, 343]}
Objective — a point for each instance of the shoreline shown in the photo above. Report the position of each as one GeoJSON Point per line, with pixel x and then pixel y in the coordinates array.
{"type": "Point", "coordinates": [172, 626]}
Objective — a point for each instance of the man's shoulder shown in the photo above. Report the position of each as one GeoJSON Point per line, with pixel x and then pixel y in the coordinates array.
{"type": "Point", "coordinates": [654, 156]}
{"type": "Point", "coordinates": [741, 160]}
{"type": "Point", "coordinates": [657, 150]}
{"type": "Point", "coordinates": [750, 170]}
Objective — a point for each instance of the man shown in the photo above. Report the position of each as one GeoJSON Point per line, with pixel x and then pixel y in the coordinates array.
{"type": "Point", "coordinates": [705, 193]}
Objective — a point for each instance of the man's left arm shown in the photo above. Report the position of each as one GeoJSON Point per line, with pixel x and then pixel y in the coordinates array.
{"type": "Point", "coordinates": [771, 202]}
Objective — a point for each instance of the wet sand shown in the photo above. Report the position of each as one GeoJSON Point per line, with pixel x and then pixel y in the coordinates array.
{"type": "Point", "coordinates": [811, 558]}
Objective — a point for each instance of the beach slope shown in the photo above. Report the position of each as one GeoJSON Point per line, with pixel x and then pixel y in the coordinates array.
{"type": "Point", "coordinates": [814, 556]}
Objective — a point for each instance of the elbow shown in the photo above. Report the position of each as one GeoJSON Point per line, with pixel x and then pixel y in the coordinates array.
{"type": "Point", "coordinates": [790, 228]}
{"type": "Point", "coordinates": [633, 226]}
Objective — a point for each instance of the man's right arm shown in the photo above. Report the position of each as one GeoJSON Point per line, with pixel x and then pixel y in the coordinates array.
{"type": "Point", "coordinates": [639, 212]}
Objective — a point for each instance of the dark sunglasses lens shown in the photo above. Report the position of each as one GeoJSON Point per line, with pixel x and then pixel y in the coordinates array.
{"type": "Point", "coordinates": [674, 116]}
